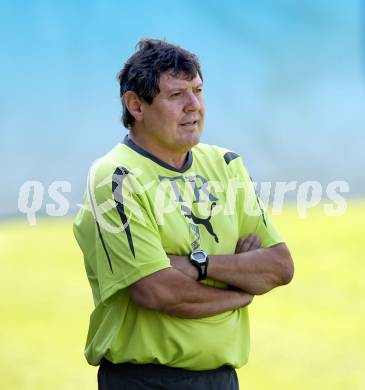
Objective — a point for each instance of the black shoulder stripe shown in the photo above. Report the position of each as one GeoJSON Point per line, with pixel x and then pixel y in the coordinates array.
{"type": "Point", "coordinates": [99, 231]}
{"type": "Point", "coordinates": [258, 202]}
{"type": "Point", "coordinates": [104, 246]}
{"type": "Point", "coordinates": [229, 156]}
{"type": "Point", "coordinates": [118, 176]}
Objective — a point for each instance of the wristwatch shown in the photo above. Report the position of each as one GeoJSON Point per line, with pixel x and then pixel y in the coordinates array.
{"type": "Point", "coordinates": [199, 259]}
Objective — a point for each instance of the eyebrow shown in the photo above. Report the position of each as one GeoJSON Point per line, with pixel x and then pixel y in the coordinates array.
{"type": "Point", "coordinates": [182, 88]}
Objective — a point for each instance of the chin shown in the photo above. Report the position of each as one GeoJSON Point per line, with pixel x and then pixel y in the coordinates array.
{"type": "Point", "coordinates": [192, 138]}
{"type": "Point", "coordinates": [191, 141]}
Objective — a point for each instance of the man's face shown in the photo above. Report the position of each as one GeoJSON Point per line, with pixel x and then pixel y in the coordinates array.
{"type": "Point", "coordinates": [174, 120]}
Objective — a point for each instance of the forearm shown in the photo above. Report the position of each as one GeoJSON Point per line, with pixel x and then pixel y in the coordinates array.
{"type": "Point", "coordinates": [180, 296]}
{"type": "Point", "coordinates": [204, 301]}
{"type": "Point", "coordinates": [256, 272]}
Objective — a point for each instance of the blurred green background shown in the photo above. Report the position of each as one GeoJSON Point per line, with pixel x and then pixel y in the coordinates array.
{"type": "Point", "coordinates": [307, 335]}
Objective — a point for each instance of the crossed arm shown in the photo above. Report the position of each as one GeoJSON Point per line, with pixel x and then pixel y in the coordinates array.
{"type": "Point", "coordinates": [172, 292]}
{"type": "Point", "coordinates": [251, 270]}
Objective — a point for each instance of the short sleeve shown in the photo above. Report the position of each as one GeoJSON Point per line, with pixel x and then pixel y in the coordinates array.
{"type": "Point", "coordinates": [128, 243]}
{"type": "Point", "coordinates": [252, 217]}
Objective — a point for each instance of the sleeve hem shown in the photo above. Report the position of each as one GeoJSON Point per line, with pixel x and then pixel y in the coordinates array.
{"type": "Point", "coordinates": [270, 242]}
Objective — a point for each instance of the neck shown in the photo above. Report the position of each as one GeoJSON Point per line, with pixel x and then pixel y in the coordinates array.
{"type": "Point", "coordinates": [175, 158]}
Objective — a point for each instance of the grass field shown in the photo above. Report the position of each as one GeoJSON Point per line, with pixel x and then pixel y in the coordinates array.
{"type": "Point", "coordinates": [307, 335]}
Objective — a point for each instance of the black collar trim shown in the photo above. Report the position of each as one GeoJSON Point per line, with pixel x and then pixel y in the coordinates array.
{"type": "Point", "coordinates": [189, 160]}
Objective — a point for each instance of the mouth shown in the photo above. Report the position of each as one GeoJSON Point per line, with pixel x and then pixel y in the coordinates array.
{"type": "Point", "coordinates": [191, 124]}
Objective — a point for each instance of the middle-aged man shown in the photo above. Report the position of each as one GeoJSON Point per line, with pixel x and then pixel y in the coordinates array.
{"type": "Point", "coordinates": [174, 239]}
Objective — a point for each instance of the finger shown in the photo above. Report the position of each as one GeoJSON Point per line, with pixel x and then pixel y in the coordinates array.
{"type": "Point", "coordinates": [253, 242]}
{"type": "Point", "coordinates": [256, 243]}
{"type": "Point", "coordinates": [246, 245]}
{"type": "Point", "coordinates": [239, 245]}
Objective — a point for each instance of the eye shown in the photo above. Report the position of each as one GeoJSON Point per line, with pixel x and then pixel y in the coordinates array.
{"type": "Point", "coordinates": [175, 94]}
{"type": "Point", "coordinates": [199, 90]}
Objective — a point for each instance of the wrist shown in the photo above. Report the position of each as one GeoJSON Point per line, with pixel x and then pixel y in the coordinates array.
{"type": "Point", "coordinates": [190, 270]}
{"type": "Point", "coordinates": [193, 272]}
{"type": "Point", "coordinates": [182, 264]}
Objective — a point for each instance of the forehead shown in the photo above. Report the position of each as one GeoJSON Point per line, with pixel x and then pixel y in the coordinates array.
{"type": "Point", "coordinates": [168, 81]}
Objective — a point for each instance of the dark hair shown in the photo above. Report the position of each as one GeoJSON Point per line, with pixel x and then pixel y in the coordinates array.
{"type": "Point", "coordinates": [141, 73]}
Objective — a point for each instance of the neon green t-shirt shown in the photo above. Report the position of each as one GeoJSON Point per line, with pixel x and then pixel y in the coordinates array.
{"type": "Point", "coordinates": [138, 208]}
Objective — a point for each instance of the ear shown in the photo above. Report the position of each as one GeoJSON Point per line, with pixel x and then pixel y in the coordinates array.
{"type": "Point", "coordinates": [133, 104]}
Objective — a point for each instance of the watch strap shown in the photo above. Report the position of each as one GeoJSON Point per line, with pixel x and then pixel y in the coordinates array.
{"type": "Point", "coordinates": [202, 268]}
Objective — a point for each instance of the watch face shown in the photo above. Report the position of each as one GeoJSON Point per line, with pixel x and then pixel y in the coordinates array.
{"type": "Point", "coordinates": [199, 256]}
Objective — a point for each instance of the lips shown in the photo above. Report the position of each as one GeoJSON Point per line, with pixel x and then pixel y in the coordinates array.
{"type": "Point", "coordinates": [189, 123]}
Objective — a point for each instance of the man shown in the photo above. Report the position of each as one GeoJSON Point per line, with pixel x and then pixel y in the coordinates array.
{"type": "Point", "coordinates": [174, 240]}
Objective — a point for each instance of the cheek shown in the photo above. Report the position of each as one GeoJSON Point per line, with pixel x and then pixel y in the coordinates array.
{"type": "Point", "coordinates": [159, 118]}
{"type": "Point", "coordinates": [202, 106]}
{"type": "Point", "coordinates": [169, 113]}
{"type": "Point", "coordinates": [172, 117]}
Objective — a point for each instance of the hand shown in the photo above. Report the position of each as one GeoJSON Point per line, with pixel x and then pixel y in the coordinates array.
{"type": "Point", "coordinates": [249, 243]}
{"type": "Point", "coordinates": [245, 298]}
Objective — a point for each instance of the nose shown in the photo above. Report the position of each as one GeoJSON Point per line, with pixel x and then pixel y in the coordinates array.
{"type": "Point", "coordinates": [192, 103]}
